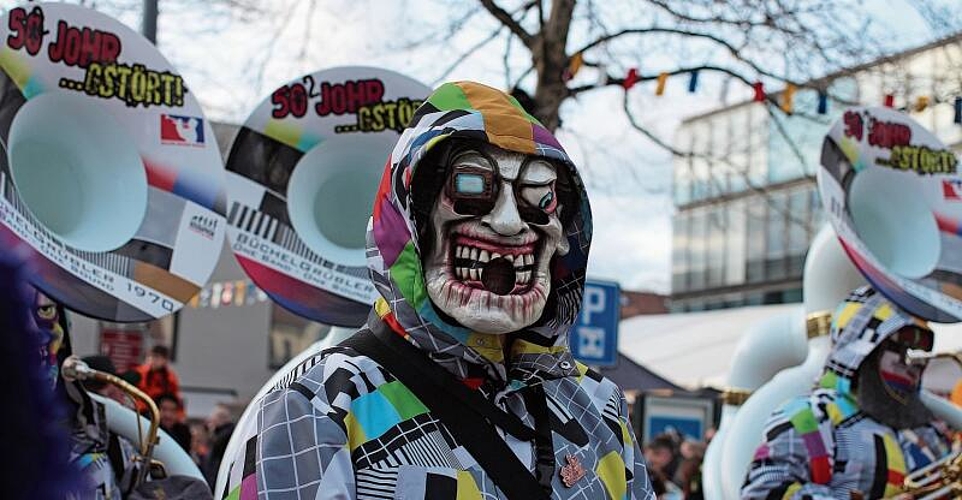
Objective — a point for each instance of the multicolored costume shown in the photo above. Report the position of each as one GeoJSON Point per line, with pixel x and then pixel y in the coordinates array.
{"type": "Point", "coordinates": [348, 429]}
{"type": "Point", "coordinates": [824, 445]}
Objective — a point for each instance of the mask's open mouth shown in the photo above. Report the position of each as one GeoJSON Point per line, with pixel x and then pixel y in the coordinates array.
{"type": "Point", "coordinates": [494, 267]}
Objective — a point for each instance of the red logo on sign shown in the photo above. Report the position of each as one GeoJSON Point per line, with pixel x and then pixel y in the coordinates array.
{"type": "Point", "coordinates": [952, 189]}
{"type": "Point", "coordinates": [184, 130]}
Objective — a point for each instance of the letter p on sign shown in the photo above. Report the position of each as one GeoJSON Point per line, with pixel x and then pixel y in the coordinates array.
{"type": "Point", "coordinates": [594, 338]}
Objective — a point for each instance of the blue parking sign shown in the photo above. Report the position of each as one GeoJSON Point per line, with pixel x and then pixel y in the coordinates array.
{"type": "Point", "coordinates": [594, 338]}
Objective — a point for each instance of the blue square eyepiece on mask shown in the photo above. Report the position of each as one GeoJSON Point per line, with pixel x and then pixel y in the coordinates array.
{"type": "Point", "coordinates": [467, 183]}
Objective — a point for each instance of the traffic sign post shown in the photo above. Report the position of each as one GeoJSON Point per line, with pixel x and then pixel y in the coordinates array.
{"type": "Point", "coordinates": [594, 338]}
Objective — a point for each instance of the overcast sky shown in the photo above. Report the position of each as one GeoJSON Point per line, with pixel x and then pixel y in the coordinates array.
{"type": "Point", "coordinates": [223, 60]}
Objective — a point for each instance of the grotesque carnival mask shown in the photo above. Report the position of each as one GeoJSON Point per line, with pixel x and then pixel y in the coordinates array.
{"type": "Point", "coordinates": [888, 385]}
{"type": "Point", "coordinates": [47, 318]}
{"type": "Point", "coordinates": [900, 377]}
{"type": "Point", "coordinates": [492, 232]}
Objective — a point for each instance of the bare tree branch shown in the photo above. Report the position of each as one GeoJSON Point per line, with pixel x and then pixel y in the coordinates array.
{"type": "Point", "coordinates": [508, 21]}
{"type": "Point", "coordinates": [732, 49]}
{"type": "Point", "coordinates": [464, 55]}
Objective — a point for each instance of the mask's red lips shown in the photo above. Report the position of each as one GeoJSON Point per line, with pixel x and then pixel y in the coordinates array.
{"type": "Point", "coordinates": [494, 246]}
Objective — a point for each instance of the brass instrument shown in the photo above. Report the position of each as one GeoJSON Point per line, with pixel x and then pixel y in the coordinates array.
{"type": "Point", "coordinates": [75, 369]}
{"type": "Point", "coordinates": [939, 479]}
{"type": "Point", "coordinates": [942, 478]}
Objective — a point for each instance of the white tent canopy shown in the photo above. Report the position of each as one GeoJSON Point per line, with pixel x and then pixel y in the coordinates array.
{"type": "Point", "coordinates": [696, 349]}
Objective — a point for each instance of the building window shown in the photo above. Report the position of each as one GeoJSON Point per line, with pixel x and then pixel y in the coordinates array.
{"type": "Point", "coordinates": [680, 253]}
{"type": "Point", "coordinates": [715, 251]}
{"type": "Point", "coordinates": [755, 242]}
{"type": "Point", "coordinates": [776, 235]}
{"type": "Point", "coordinates": [735, 243]}
{"type": "Point", "coordinates": [698, 248]}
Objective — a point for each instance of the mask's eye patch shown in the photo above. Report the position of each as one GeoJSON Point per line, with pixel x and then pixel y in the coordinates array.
{"type": "Point", "coordinates": [536, 193]}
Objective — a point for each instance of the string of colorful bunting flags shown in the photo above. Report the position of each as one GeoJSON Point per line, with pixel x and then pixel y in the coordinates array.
{"type": "Point", "coordinates": [228, 293]}
{"type": "Point", "coordinates": [787, 103]}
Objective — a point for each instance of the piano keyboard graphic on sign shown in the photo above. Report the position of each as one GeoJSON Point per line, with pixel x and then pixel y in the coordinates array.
{"type": "Point", "coordinates": [114, 263]}
{"type": "Point", "coordinates": [258, 223]}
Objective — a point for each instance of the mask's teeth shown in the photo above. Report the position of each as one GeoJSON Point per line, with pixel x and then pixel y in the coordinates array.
{"type": "Point", "coordinates": [469, 263]}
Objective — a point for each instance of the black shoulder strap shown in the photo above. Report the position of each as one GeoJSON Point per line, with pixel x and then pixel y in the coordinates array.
{"type": "Point", "coordinates": [466, 415]}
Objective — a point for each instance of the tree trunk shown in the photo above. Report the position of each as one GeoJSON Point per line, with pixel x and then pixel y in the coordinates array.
{"type": "Point", "coordinates": [550, 59]}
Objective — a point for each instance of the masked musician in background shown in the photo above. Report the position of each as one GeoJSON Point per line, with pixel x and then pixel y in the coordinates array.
{"type": "Point", "coordinates": [864, 428]}
{"type": "Point", "coordinates": [478, 245]}
{"type": "Point", "coordinates": [105, 460]}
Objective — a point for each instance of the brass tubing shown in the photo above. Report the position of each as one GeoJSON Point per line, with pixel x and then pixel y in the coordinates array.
{"type": "Point", "coordinates": [75, 368]}
{"type": "Point", "coordinates": [818, 324]}
{"type": "Point", "coordinates": [735, 396]}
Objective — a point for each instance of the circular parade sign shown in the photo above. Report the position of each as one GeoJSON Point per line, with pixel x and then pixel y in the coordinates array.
{"type": "Point", "coordinates": [894, 195]}
{"type": "Point", "coordinates": [110, 170]}
{"type": "Point", "coordinates": [301, 180]}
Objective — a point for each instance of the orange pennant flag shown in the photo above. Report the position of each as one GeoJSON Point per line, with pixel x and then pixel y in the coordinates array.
{"type": "Point", "coordinates": [660, 88]}
{"type": "Point", "coordinates": [921, 103]}
{"type": "Point", "coordinates": [788, 98]}
{"type": "Point", "coordinates": [573, 66]}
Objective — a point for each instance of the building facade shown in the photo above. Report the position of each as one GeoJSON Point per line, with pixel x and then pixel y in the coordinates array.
{"type": "Point", "coordinates": [747, 204]}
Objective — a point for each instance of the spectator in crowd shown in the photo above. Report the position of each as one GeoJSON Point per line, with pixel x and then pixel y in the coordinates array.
{"type": "Point", "coordinates": [170, 411]}
{"type": "Point", "coordinates": [199, 443]}
{"type": "Point", "coordinates": [156, 375]}
{"type": "Point", "coordinates": [661, 454]}
{"type": "Point", "coordinates": [220, 424]}
{"type": "Point", "coordinates": [709, 435]}
{"type": "Point", "coordinates": [688, 475]}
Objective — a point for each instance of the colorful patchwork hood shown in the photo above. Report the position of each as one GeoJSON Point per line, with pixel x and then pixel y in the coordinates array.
{"type": "Point", "coordinates": [473, 111]}
{"type": "Point", "coordinates": [860, 324]}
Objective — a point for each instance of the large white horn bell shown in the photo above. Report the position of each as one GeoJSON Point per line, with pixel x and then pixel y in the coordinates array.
{"type": "Point", "coordinates": [77, 171]}
{"type": "Point", "coordinates": [331, 193]}
{"type": "Point", "coordinates": [893, 219]}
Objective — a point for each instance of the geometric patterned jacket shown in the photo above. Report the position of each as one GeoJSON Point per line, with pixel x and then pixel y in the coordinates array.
{"type": "Point", "coordinates": [347, 429]}
{"type": "Point", "coordinates": [822, 445]}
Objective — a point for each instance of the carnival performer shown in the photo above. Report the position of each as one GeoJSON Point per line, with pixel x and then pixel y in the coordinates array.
{"type": "Point", "coordinates": [478, 245]}
{"type": "Point", "coordinates": [104, 459]}
{"type": "Point", "coordinates": [33, 439]}
{"type": "Point", "coordinates": [864, 428]}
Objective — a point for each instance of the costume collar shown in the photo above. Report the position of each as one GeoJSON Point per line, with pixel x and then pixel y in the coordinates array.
{"type": "Point", "coordinates": [481, 355]}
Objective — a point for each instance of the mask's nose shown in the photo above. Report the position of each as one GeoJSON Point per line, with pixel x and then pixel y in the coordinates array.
{"type": "Point", "coordinates": [504, 218]}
